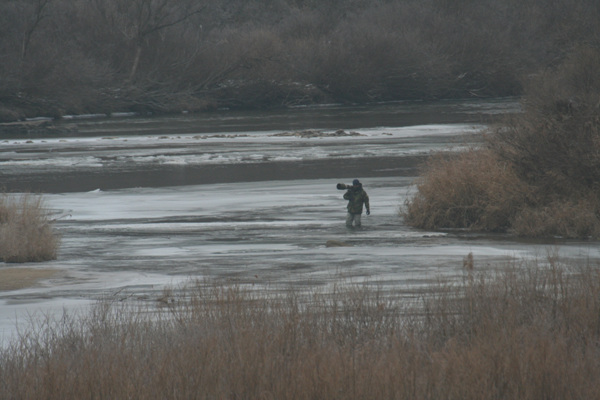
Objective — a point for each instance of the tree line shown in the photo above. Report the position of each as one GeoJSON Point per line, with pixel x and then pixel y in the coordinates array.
{"type": "Point", "coordinates": [100, 56]}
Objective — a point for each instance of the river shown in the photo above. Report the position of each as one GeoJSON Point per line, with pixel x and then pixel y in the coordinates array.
{"type": "Point", "coordinates": [144, 204]}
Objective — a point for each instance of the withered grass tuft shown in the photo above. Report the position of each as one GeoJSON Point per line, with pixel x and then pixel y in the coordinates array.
{"type": "Point", "coordinates": [26, 232]}
{"type": "Point", "coordinates": [525, 332]}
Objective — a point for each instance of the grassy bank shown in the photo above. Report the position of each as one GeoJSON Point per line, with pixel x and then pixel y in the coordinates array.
{"type": "Point", "coordinates": [526, 332]}
{"type": "Point", "coordinates": [26, 232]}
{"type": "Point", "coordinates": [536, 175]}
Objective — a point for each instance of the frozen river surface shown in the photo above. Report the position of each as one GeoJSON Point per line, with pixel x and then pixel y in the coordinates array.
{"type": "Point", "coordinates": [141, 206]}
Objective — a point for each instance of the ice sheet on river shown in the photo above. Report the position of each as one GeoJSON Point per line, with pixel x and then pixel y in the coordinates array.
{"type": "Point", "coordinates": [121, 152]}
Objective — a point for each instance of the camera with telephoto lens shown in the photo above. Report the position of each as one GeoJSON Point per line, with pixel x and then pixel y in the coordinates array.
{"type": "Point", "coordinates": [343, 186]}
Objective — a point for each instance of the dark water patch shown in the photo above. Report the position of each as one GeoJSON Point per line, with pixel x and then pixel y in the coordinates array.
{"type": "Point", "coordinates": [321, 117]}
{"type": "Point", "coordinates": [168, 175]}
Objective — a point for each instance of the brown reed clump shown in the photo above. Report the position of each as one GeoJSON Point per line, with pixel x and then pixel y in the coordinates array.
{"type": "Point", "coordinates": [525, 332]}
{"type": "Point", "coordinates": [469, 190]}
{"type": "Point", "coordinates": [26, 233]}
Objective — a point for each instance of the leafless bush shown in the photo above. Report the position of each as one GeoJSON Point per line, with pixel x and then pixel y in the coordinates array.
{"type": "Point", "coordinates": [538, 174]}
{"type": "Point", "coordinates": [26, 233]}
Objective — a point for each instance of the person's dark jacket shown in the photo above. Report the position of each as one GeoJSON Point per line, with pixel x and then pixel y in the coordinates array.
{"type": "Point", "coordinates": [356, 197]}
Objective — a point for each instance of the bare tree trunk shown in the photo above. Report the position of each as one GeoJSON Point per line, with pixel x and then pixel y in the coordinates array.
{"type": "Point", "coordinates": [136, 61]}
{"type": "Point", "coordinates": [148, 17]}
{"type": "Point", "coordinates": [37, 16]}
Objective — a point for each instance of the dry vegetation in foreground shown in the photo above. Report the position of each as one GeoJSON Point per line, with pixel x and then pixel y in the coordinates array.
{"type": "Point", "coordinates": [526, 332]}
{"type": "Point", "coordinates": [538, 175]}
{"type": "Point", "coordinates": [26, 233]}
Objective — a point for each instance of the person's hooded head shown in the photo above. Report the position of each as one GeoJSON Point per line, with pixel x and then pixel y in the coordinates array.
{"type": "Point", "coordinates": [356, 183]}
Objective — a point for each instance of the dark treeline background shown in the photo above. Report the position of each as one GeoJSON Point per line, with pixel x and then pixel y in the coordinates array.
{"type": "Point", "coordinates": [99, 56]}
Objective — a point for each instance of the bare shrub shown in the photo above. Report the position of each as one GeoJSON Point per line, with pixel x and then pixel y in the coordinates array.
{"type": "Point", "coordinates": [26, 233]}
{"type": "Point", "coordinates": [555, 144]}
{"type": "Point", "coordinates": [538, 175]}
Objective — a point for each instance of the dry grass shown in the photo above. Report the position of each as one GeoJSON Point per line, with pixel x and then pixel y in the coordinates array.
{"type": "Point", "coordinates": [26, 233]}
{"type": "Point", "coordinates": [469, 190]}
{"type": "Point", "coordinates": [528, 332]}
{"type": "Point", "coordinates": [577, 218]}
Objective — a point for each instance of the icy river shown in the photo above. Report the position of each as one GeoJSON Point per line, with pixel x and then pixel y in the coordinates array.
{"type": "Point", "coordinates": [143, 204]}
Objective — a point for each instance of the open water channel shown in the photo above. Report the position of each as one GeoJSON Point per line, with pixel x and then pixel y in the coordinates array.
{"type": "Point", "coordinates": [147, 203]}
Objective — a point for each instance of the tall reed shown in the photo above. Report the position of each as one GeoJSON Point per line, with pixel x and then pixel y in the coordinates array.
{"type": "Point", "coordinates": [26, 232]}
{"type": "Point", "coordinates": [526, 332]}
{"type": "Point", "coordinates": [473, 189]}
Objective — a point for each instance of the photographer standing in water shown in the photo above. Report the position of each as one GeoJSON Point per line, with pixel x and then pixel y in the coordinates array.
{"type": "Point", "coordinates": [356, 197]}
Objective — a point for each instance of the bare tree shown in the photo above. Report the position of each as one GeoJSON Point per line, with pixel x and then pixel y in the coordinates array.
{"type": "Point", "coordinates": [137, 20]}
{"type": "Point", "coordinates": [30, 14]}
